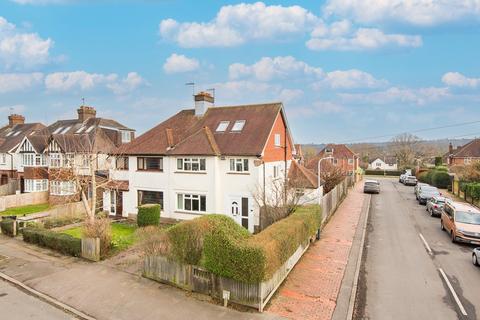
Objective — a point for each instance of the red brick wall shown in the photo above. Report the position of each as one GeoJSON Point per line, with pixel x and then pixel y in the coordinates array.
{"type": "Point", "coordinates": [273, 153]}
{"type": "Point", "coordinates": [35, 172]}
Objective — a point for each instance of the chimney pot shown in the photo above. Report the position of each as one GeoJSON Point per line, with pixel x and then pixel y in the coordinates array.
{"type": "Point", "coordinates": [86, 112]}
{"type": "Point", "coordinates": [14, 119]}
{"type": "Point", "coordinates": [450, 148]}
{"type": "Point", "coordinates": [203, 101]}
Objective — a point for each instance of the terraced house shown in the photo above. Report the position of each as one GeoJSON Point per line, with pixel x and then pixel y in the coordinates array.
{"type": "Point", "coordinates": [207, 160]}
{"type": "Point", "coordinates": [63, 157]}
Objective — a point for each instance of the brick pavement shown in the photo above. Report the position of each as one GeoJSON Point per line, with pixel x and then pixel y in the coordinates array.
{"type": "Point", "coordinates": [311, 290]}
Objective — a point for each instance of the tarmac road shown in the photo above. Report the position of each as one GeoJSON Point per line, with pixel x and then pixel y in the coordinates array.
{"type": "Point", "coordinates": [410, 268]}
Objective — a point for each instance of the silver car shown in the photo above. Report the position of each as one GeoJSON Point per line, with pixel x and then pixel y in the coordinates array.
{"type": "Point", "coordinates": [418, 186]}
{"type": "Point", "coordinates": [476, 256]}
{"type": "Point", "coordinates": [435, 206]}
{"type": "Point", "coordinates": [410, 181]}
{"type": "Point", "coordinates": [371, 186]}
{"type": "Point", "coordinates": [426, 193]}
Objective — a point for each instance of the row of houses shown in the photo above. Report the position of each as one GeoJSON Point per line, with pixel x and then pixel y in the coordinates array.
{"type": "Point", "coordinates": [208, 159]}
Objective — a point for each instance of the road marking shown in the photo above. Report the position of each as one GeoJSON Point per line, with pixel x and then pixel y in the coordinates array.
{"type": "Point", "coordinates": [457, 300]}
{"type": "Point", "coordinates": [426, 244]}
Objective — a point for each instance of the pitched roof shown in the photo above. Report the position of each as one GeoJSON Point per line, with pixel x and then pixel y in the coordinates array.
{"type": "Point", "coordinates": [39, 142]}
{"type": "Point", "coordinates": [470, 150]}
{"type": "Point", "coordinates": [88, 142]}
{"type": "Point", "coordinates": [251, 140]}
{"type": "Point", "coordinates": [301, 177]}
{"type": "Point", "coordinates": [11, 136]}
{"type": "Point", "coordinates": [388, 160]}
{"type": "Point", "coordinates": [337, 151]}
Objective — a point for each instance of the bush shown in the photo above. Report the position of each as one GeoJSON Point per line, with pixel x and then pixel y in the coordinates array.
{"type": "Point", "coordinates": [473, 190]}
{"type": "Point", "coordinates": [395, 173]}
{"type": "Point", "coordinates": [62, 220]}
{"type": "Point", "coordinates": [148, 215]}
{"type": "Point", "coordinates": [7, 226]}
{"type": "Point", "coordinates": [438, 161]}
{"type": "Point", "coordinates": [60, 242]}
{"type": "Point", "coordinates": [99, 228]}
{"type": "Point", "coordinates": [422, 177]}
{"type": "Point", "coordinates": [440, 179]}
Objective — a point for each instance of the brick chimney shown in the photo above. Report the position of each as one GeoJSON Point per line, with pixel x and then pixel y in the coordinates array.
{"type": "Point", "coordinates": [450, 148]}
{"type": "Point", "coordinates": [86, 112]}
{"type": "Point", "coordinates": [203, 101]}
{"type": "Point", "coordinates": [14, 119]}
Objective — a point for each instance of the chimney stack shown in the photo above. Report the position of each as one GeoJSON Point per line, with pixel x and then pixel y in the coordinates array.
{"type": "Point", "coordinates": [450, 148]}
{"type": "Point", "coordinates": [14, 119]}
{"type": "Point", "coordinates": [86, 112]}
{"type": "Point", "coordinates": [203, 101]}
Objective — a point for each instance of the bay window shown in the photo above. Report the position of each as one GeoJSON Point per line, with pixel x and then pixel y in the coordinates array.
{"type": "Point", "coordinates": [192, 202]}
{"type": "Point", "coordinates": [62, 188]}
{"type": "Point", "coordinates": [239, 165]}
{"type": "Point", "coordinates": [191, 164]}
{"type": "Point", "coordinates": [36, 185]}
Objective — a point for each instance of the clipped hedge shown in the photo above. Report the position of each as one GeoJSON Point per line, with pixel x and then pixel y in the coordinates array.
{"type": "Point", "coordinates": [437, 177]}
{"type": "Point", "coordinates": [148, 215]}
{"type": "Point", "coordinates": [472, 189]}
{"type": "Point", "coordinates": [60, 242]}
{"type": "Point", "coordinates": [395, 173]}
{"type": "Point", "coordinates": [8, 227]}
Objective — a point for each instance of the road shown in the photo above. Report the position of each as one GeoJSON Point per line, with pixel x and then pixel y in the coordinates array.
{"type": "Point", "coordinates": [400, 277]}
{"type": "Point", "coordinates": [16, 304]}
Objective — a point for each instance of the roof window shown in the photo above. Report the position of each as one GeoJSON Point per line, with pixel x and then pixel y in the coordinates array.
{"type": "Point", "coordinates": [80, 130]}
{"type": "Point", "coordinates": [9, 134]}
{"type": "Point", "coordinates": [222, 126]}
{"type": "Point", "coordinates": [238, 125]}
{"type": "Point", "coordinates": [65, 130]}
{"type": "Point", "coordinates": [57, 130]}
{"type": "Point", "coordinates": [89, 129]}
{"type": "Point", "coordinates": [16, 134]}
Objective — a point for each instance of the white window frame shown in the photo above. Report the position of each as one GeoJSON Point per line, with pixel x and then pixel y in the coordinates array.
{"type": "Point", "coordinates": [35, 185]}
{"type": "Point", "coordinates": [188, 164]}
{"type": "Point", "coordinates": [126, 136]}
{"type": "Point", "coordinates": [56, 160]}
{"type": "Point", "coordinates": [28, 159]}
{"type": "Point", "coordinates": [276, 171]}
{"type": "Point", "coordinates": [68, 160]}
{"type": "Point", "coordinates": [277, 140]}
{"type": "Point", "coordinates": [239, 165]}
{"type": "Point", "coordinates": [350, 161]}
{"type": "Point", "coordinates": [62, 188]}
{"type": "Point", "coordinates": [222, 126]}
{"type": "Point", "coordinates": [184, 198]}
{"type": "Point", "coordinates": [3, 158]}
{"type": "Point", "coordinates": [238, 126]}
{"type": "Point", "coordinates": [467, 161]}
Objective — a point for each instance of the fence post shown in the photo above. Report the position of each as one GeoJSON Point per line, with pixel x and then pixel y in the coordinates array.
{"type": "Point", "coordinates": [91, 249]}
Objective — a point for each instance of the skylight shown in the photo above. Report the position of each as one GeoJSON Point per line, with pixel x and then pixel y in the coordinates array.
{"type": "Point", "coordinates": [16, 133]}
{"type": "Point", "coordinates": [9, 134]}
{"type": "Point", "coordinates": [80, 130]}
{"type": "Point", "coordinates": [222, 126]}
{"type": "Point", "coordinates": [65, 130]}
{"type": "Point", "coordinates": [238, 125]}
{"type": "Point", "coordinates": [89, 129]}
{"type": "Point", "coordinates": [57, 130]}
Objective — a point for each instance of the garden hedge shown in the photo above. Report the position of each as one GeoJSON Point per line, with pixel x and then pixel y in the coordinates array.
{"type": "Point", "coordinates": [7, 226]}
{"type": "Point", "coordinates": [380, 172]}
{"type": "Point", "coordinates": [60, 242]}
{"type": "Point", "coordinates": [472, 189]}
{"type": "Point", "coordinates": [437, 177]}
{"type": "Point", "coordinates": [148, 215]}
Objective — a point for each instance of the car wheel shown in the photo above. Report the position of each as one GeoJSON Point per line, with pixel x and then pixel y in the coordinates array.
{"type": "Point", "coordinates": [442, 226]}
{"type": "Point", "coordinates": [431, 213]}
{"type": "Point", "coordinates": [474, 259]}
{"type": "Point", "coordinates": [452, 235]}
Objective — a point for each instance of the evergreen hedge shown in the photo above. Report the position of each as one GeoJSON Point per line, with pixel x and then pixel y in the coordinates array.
{"type": "Point", "coordinates": [381, 173]}
{"type": "Point", "coordinates": [148, 215]}
{"type": "Point", "coordinates": [437, 177]}
{"type": "Point", "coordinates": [7, 226]}
{"type": "Point", "coordinates": [60, 242]}
{"type": "Point", "coordinates": [472, 189]}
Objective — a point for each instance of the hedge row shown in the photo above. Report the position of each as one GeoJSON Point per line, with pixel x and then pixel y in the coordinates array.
{"type": "Point", "coordinates": [225, 248]}
{"type": "Point", "coordinates": [435, 177]}
{"type": "Point", "coordinates": [60, 242]}
{"type": "Point", "coordinates": [7, 226]}
{"type": "Point", "coordinates": [381, 172]}
{"type": "Point", "coordinates": [148, 215]}
{"type": "Point", "coordinates": [471, 189]}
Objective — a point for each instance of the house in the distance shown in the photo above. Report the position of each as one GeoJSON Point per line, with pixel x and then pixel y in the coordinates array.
{"type": "Point", "coordinates": [465, 154]}
{"type": "Point", "coordinates": [384, 164]}
{"type": "Point", "coordinates": [208, 160]}
{"type": "Point", "coordinates": [342, 157]}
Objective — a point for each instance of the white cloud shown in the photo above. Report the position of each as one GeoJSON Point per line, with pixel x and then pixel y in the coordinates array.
{"type": "Point", "coordinates": [10, 82]}
{"type": "Point", "coordinates": [81, 80]}
{"type": "Point", "coordinates": [349, 79]}
{"type": "Point", "coordinates": [290, 95]}
{"type": "Point", "coordinates": [328, 107]}
{"type": "Point", "coordinates": [235, 24]}
{"type": "Point", "coordinates": [22, 50]}
{"type": "Point", "coordinates": [419, 96]}
{"type": "Point", "coordinates": [268, 68]}
{"type": "Point", "coordinates": [17, 108]}
{"type": "Point", "coordinates": [179, 63]}
{"type": "Point", "coordinates": [414, 12]}
{"type": "Point", "coordinates": [456, 79]}
{"type": "Point", "coordinates": [344, 39]}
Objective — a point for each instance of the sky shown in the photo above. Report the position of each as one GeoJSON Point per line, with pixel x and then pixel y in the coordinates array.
{"type": "Point", "coordinates": [345, 70]}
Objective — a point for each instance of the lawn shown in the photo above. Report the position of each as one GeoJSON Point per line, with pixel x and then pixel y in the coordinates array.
{"type": "Point", "coordinates": [123, 235]}
{"type": "Point", "coordinates": [22, 211]}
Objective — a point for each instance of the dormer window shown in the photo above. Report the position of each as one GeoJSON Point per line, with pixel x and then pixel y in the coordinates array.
{"type": "Point", "coordinates": [222, 126]}
{"type": "Point", "coordinates": [238, 126]}
{"type": "Point", "coordinates": [126, 136]}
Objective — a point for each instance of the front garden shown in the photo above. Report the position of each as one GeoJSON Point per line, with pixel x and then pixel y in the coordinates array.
{"type": "Point", "coordinates": [25, 210]}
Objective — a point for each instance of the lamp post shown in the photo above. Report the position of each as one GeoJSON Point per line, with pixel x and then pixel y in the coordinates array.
{"type": "Point", "coordinates": [319, 182]}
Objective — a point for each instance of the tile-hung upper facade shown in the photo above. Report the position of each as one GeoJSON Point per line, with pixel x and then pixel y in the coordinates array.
{"type": "Point", "coordinates": [206, 160]}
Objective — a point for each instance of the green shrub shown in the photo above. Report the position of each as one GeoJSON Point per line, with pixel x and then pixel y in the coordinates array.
{"type": "Point", "coordinates": [62, 220]}
{"type": "Point", "coordinates": [60, 242]}
{"type": "Point", "coordinates": [148, 215]}
{"type": "Point", "coordinates": [473, 190]}
{"type": "Point", "coordinates": [422, 177]}
{"type": "Point", "coordinates": [440, 179]}
{"type": "Point", "coordinates": [7, 226]}
{"type": "Point", "coordinates": [395, 173]}
{"type": "Point", "coordinates": [438, 161]}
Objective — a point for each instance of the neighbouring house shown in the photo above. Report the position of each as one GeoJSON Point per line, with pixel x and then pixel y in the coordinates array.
{"type": "Point", "coordinates": [62, 157]}
{"type": "Point", "coordinates": [11, 136]}
{"type": "Point", "coordinates": [305, 182]}
{"type": "Point", "coordinates": [207, 160]}
{"type": "Point", "coordinates": [384, 164]}
{"type": "Point", "coordinates": [465, 154]}
{"type": "Point", "coordinates": [342, 157]}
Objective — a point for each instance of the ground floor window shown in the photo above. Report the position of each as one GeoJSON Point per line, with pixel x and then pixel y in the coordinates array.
{"type": "Point", "coordinates": [191, 202]}
{"type": "Point", "coordinates": [62, 188]}
{"type": "Point", "coordinates": [150, 197]}
{"type": "Point", "coordinates": [36, 185]}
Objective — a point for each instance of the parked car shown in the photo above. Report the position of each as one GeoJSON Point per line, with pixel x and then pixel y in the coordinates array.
{"type": "Point", "coordinates": [371, 186]}
{"type": "Point", "coordinates": [418, 186]}
{"type": "Point", "coordinates": [435, 206]}
{"type": "Point", "coordinates": [427, 192]}
{"type": "Point", "coordinates": [402, 177]}
{"type": "Point", "coordinates": [410, 181]}
{"type": "Point", "coordinates": [476, 256]}
{"type": "Point", "coordinates": [462, 221]}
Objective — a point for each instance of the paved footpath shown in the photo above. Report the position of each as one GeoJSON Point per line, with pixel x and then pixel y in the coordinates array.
{"type": "Point", "coordinates": [312, 288]}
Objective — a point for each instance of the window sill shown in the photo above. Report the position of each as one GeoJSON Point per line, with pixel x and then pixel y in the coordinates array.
{"type": "Point", "coordinates": [196, 213]}
{"type": "Point", "coordinates": [191, 172]}
{"type": "Point", "coordinates": [151, 170]}
{"type": "Point", "coordinates": [239, 173]}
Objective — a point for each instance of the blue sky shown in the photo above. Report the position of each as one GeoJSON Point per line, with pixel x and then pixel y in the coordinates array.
{"type": "Point", "coordinates": [344, 69]}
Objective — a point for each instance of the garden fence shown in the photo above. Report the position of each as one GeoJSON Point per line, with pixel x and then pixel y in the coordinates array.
{"type": "Point", "coordinates": [23, 199]}
{"type": "Point", "coordinates": [9, 188]}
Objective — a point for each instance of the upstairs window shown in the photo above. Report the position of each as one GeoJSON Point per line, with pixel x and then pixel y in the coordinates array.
{"type": "Point", "coordinates": [28, 159]}
{"type": "Point", "coordinates": [239, 165]}
{"type": "Point", "coordinates": [277, 138]}
{"type": "Point", "coordinates": [3, 158]}
{"type": "Point", "coordinates": [126, 136]}
{"type": "Point", "coordinates": [350, 161]}
{"type": "Point", "coordinates": [238, 126]}
{"type": "Point", "coordinates": [222, 126]}
{"type": "Point", "coordinates": [122, 163]}
{"type": "Point", "coordinates": [150, 163]}
{"type": "Point", "coordinates": [55, 160]}
{"type": "Point", "coordinates": [191, 164]}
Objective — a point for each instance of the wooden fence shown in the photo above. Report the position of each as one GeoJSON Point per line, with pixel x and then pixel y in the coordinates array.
{"type": "Point", "coordinates": [23, 199]}
{"type": "Point", "coordinates": [9, 188]}
{"type": "Point", "coordinates": [332, 200]}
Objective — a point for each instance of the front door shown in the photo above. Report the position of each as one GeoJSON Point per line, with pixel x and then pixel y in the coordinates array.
{"type": "Point", "coordinates": [239, 210]}
{"type": "Point", "coordinates": [119, 200]}
{"type": "Point", "coordinates": [113, 202]}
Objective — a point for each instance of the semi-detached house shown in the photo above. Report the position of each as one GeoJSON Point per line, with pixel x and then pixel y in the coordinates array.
{"type": "Point", "coordinates": [206, 160]}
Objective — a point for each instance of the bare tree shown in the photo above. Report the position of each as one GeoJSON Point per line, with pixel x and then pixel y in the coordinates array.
{"type": "Point", "coordinates": [405, 148]}
{"type": "Point", "coordinates": [331, 175]}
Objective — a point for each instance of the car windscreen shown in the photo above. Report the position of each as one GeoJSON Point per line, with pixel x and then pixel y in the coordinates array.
{"type": "Point", "coordinates": [430, 193]}
{"type": "Point", "coordinates": [467, 217]}
{"type": "Point", "coordinates": [372, 184]}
